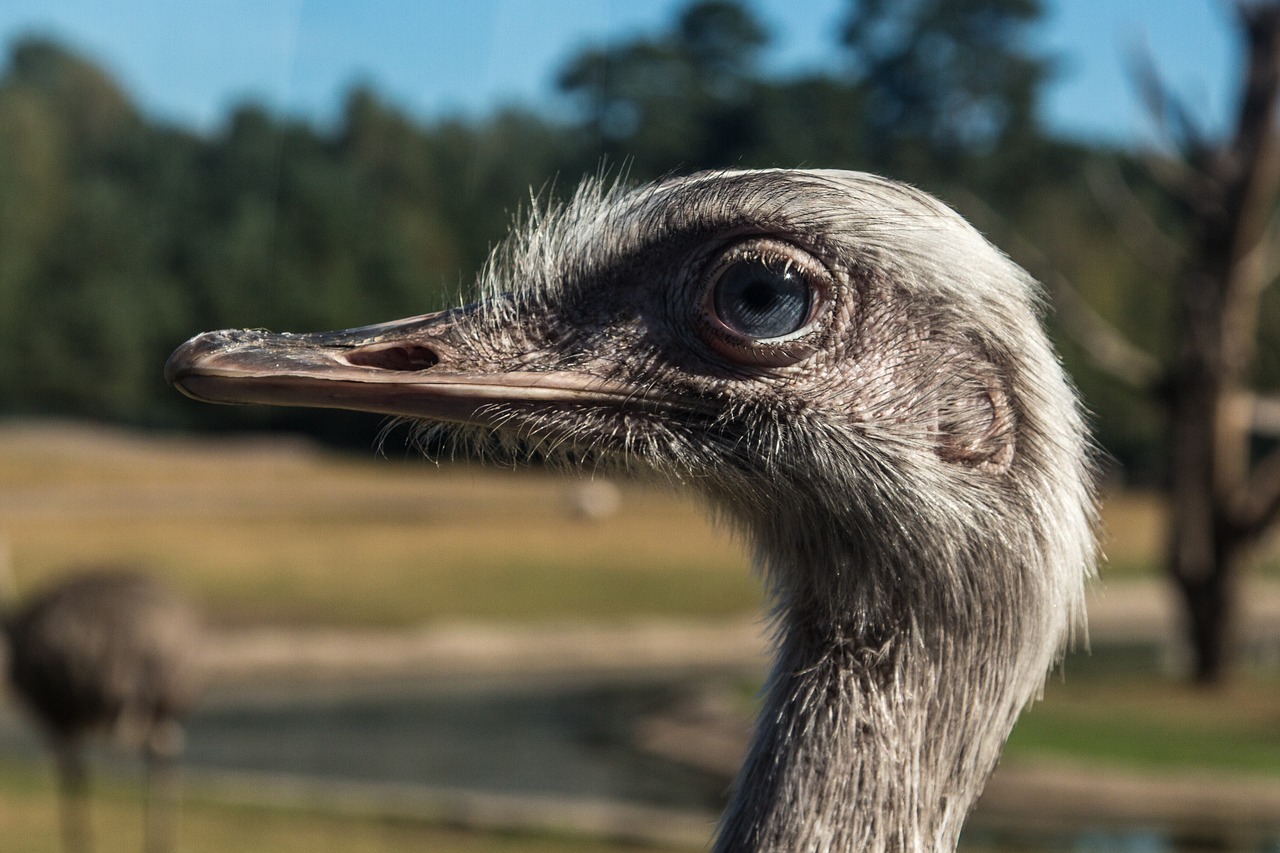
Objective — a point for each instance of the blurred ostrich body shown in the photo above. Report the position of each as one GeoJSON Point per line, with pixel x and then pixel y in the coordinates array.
{"type": "Point", "coordinates": [108, 653]}
{"type": "Point", "coordinates": [852, 376]}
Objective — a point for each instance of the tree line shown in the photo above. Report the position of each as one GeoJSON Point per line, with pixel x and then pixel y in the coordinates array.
{"type": "Point", "coordinates": [121, 235]}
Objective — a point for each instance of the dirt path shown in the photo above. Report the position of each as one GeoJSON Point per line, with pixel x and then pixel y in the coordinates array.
{"type": "Point", "coordinates": [486, 650]}
{"type": "Point", "coordinates": [1061, 796]}
{"type": "Point", "coordinates": [1130, 612]}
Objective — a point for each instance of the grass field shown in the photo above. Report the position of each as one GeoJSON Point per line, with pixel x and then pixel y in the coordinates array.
{"type": "Point", "coordinates": [29, 820]}
{"type": "Point", "coordinates": [282, 532]}
{"type": "Point", "coordinates": [207, 828]}
{"type": "Point", "coordinates": [276, 530]}
{"type": "Point", "coordinates": [1146, 722]}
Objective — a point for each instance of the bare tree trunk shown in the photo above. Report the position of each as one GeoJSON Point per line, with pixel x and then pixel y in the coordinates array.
{"type": "Point", "coordinates": [1233, 197]}
{"type": "Point", "coordinates": [1205, 566]}
{"type": "Point", "coordinates": [1193, 541]}
{"type": "Point", "coordinates": [1206, 445]}
{"type": "Point", "coordinates": [1221, 500]}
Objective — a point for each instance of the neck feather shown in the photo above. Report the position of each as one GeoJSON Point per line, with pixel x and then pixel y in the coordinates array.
{"type": "Point", "coordinates": [879, 733]}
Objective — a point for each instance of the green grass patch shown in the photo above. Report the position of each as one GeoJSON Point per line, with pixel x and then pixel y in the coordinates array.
{"type": "Point", "coordinates": [1153, 724]}
{"type": "Point", "coordinates": [29, 824]}
{"type": "Point", "coordinates": [1150, 568]}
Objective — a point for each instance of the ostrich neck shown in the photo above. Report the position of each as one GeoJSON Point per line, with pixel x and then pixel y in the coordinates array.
{"type": "Point", "coordinates": [875, 737]}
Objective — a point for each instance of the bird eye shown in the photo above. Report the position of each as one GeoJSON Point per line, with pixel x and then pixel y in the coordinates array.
{"type": "Point", "coordinates": [764, 303]}
{"type": "Point", "coordinates": [759, 299]}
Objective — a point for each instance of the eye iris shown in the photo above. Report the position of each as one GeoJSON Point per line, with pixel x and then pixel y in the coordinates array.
{"type": "Point", "coordinates": [759, 301]}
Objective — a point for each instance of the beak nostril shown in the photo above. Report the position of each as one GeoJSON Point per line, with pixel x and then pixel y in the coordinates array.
{"type": "Point", "coordinates": [402, 357]}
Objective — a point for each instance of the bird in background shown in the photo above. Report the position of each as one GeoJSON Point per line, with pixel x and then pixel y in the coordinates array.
{"type": "Point", "coordinates": [851, 376]}
{"type": "Point", "coordinates": [114, 654]}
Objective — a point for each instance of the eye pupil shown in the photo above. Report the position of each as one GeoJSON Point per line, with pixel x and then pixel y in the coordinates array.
{"type": "Point", "coordinates": [760, 297]}
{"type": "Point", "coordinates": [758, 300]}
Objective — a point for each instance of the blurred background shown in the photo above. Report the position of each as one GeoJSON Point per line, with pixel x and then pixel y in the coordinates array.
{"type": "Point", "coordinates": [454, 658]}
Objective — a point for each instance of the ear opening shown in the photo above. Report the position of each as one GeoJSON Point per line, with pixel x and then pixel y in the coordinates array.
{"type": "Point", "coordinates": [975, 425]}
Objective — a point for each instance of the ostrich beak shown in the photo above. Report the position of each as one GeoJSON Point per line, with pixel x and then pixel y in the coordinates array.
{"type": "Point", "coordinates": [414, 367]}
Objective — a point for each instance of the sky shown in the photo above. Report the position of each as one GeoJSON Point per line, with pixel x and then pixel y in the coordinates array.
{"type": "Point", "coordinates": [189, 61]}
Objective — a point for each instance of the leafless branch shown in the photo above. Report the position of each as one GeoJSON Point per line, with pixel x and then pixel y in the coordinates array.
{"type": "Point", "coordinates": [1185, 182]}
{"type": "Point", "coordinates": [1154, 248]}
{"type": "Point", "coordinates": [1269, 245]}
{"type": "Point", "coordinates": [1166, 109]}
{"type": "Point", "coordinates": [1251, 171]}
{"type": "Point", "coordinates": [1262, 503]}
{"type": "Point", "coordinates": [1107, 348]}
{"type": "Point", "coordinates": [1256, 270]}
{"type": "Point", "coordinates": [1105, 345]}
{"type": "Point", "coordinates": [1259, 506]}
{"type": "Point", "coordinates": [1266, 415]}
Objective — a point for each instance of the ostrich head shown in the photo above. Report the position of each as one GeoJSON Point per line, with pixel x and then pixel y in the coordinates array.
{"type": "Point", "coordinates": [849, 373]}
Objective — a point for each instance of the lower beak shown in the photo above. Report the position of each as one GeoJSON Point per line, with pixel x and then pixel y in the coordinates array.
{"type": "Point", "coordinates": [414, 367]}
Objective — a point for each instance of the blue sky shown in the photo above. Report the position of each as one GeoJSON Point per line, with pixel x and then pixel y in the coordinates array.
{"type": "Point", "coordinates": [189, 60]}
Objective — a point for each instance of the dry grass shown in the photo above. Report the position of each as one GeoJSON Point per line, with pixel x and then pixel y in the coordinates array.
{"type": "Point", "coordinates": [1133, 532]}
{"type": "Point", "coordinates": [281, 531]}
{"type": "Point", "coordinates": [277, 530]}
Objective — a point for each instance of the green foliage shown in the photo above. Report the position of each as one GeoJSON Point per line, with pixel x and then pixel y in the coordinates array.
{"type": "Point", "coordinates": [687, 99]}
{"type": "Point", "coordinates": [120, 236]}
{"type": "Point", "coordinates": [945, 75]}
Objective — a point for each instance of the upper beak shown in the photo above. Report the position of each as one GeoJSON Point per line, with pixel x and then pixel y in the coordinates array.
{"type": "Point", "coordinates": [415, 367]}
